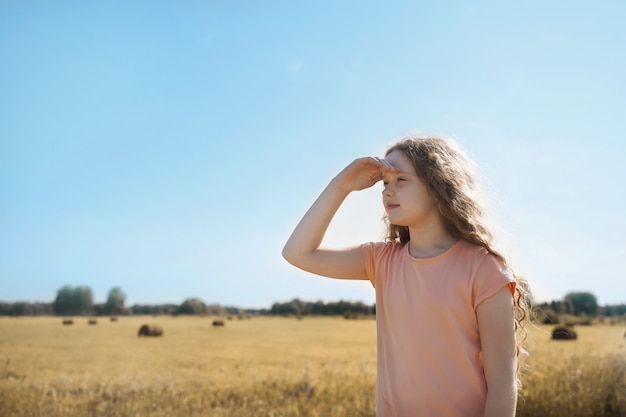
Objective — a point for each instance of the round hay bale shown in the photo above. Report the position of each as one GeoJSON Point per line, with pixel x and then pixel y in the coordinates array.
{"type": "Point", "coordinates": [93, 321]}
{"type": "Point", "coordinates": [218, 323]}
{"type": "Point", "coordinates": [564, 333]}
{"type": "Point", "coordinates": [68, 322]}
{"type": "Point", "coordinates": [150, 330]}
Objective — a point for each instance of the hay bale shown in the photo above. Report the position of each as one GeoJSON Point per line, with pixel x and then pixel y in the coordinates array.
{"type": "Point", "coordinates": [564, 333]}
{"type": "Point", "coordinates": [218, 323]}
{"type": "Point", "coordinates": [93, 321]}
{"type": "Point", "coordinates": [113, 319]}
{"type": "Point", "coordinates": [68, 322]}
{"type": "Point", "coordinates": [150, 330]}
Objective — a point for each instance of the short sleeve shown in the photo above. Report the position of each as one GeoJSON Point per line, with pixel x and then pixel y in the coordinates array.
{"type": "Point", "coordinates": [377, 257]}
{"type": "Point", "coordinates": [370, 263]}
{"type": "Point", "coordinates": [490, 277]}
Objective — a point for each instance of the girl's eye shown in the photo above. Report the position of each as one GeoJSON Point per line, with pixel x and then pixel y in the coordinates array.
{"type": "Point", "coordinates": [401, 179]}
{"type": "Point", "coordinates": [385, 182]}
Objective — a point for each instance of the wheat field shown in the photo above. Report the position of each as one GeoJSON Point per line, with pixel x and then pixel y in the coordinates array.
{"type": "Point", "coordinates": [263, 366]}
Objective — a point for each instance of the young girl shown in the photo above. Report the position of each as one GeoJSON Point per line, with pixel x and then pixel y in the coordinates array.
{"type": "Point", "coordinates": [447, 303]}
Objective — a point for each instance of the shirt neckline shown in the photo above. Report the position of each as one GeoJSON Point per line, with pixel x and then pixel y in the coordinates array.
{"type": "Point", "coordinates": [451, 249]}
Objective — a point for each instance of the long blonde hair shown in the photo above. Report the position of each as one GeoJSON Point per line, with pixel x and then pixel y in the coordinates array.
{"type": "Point", "coordinates": [450, 179]}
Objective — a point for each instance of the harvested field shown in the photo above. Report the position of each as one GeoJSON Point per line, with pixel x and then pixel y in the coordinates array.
{"type": "Point", "coordinates": [263, 367]}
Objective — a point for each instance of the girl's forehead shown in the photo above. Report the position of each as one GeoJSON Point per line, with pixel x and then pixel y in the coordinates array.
{"type": "Point", "coordinates": [399, 160]}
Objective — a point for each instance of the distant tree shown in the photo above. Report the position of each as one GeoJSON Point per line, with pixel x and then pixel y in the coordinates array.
{"type": "Point", "coordinates": [614, 310]}
{"type": "Point", "coordinates": [192, 306]}
{"type": "Point", "coordinates": [154, 309]}
{"type": "Point", "coordinates": [6, 309]}
{"type": "Point", "coordinates": [218, 310]}
{"type": "Point", "coordinates": [64, 302]}
{"type": "Point", "coordinates": [115, 302]}
{"type": "Point", "coordinates": [142, 309]}
{"type": "Point", "coordinates": [558, 307]}
{"type": "Point", "coordinates": [98, 309]}
{"type": "Point", "coordinates": [84, 299]}
{"type": "Point", "coordinates": [296, 307]}
{"type": "Point", "coordinates": [581, 303]}
{"type": "Point", "coordinates": [73, 301]}
{"type": "Point", "coordinates": [318, 308]}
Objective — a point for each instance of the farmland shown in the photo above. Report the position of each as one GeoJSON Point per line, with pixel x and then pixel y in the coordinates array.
{"type": "Point", "coordinates": [265, 366]}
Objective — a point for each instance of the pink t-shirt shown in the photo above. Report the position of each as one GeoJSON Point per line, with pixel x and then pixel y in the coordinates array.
{"type": "Point", "coordinates": [428, 345]}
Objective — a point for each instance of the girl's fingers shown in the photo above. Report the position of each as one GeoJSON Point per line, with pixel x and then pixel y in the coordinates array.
{"type": "Point", "coordinates": [384, 165]}
{"type": "Point", "coordinates": [377, 175]}
{"type": "Point", "coordinates": [371, 168]}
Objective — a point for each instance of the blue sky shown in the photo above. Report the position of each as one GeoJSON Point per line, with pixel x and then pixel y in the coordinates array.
{"type": "Point", "coordinates": [169, 148]}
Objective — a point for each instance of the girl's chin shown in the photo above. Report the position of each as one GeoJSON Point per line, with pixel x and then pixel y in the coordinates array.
{"type": "Point", "coordinates": [395, 219]}
{"type": "Point", "coordinates": [397, 224]}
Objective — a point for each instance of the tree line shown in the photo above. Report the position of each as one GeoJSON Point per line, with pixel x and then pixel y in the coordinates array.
{"type": "Point", "coordinates": [79, 301]}
{"type": "Point", "coordinates": [70, 301]}
{"type": "Point", "coordinates": [578, 304]}
{"type": "Point", "coordinates": [298, 307]}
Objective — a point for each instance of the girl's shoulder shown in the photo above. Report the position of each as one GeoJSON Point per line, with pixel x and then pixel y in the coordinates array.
{"type": "Point", "coordinates": [483, 263]}
{"type": "Point", "coordinates": [383, 247]}
{"type": "Point", "coordinates": [475, 251]}
{"type": "Point", "coordinates": [379, 257]}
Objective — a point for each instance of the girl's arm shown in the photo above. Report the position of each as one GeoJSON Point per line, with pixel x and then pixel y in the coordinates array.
{"type": "Point", "coordinates": [303, 247]}
{"type": "Point", "coordinates": [497, 337]}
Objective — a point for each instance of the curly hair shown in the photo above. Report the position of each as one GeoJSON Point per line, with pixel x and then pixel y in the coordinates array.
{"type": "Point", "coordinates": [450, 179]}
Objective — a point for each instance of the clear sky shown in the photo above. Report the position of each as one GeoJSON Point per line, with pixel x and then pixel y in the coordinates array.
{"type": "Point", "coordinates": [169, 148]}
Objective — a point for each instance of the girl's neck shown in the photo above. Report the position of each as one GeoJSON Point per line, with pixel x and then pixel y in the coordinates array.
{"type": "Point", "coordinates": [429, 242]}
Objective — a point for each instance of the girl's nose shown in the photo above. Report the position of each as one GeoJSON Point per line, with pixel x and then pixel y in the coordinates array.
{"type": "Point", "coordinates": [387, 191]}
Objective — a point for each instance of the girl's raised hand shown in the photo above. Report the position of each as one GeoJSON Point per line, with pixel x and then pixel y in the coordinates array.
{"type": "Point", "coordinates": [362, 173]}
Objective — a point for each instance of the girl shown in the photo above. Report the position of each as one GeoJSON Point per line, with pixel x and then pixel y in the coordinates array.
{"type": "Point", "coordinates": [447, 303]}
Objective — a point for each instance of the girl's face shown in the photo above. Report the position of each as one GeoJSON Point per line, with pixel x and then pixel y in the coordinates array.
{"type": "Point", "coordinates": [405, 195]}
